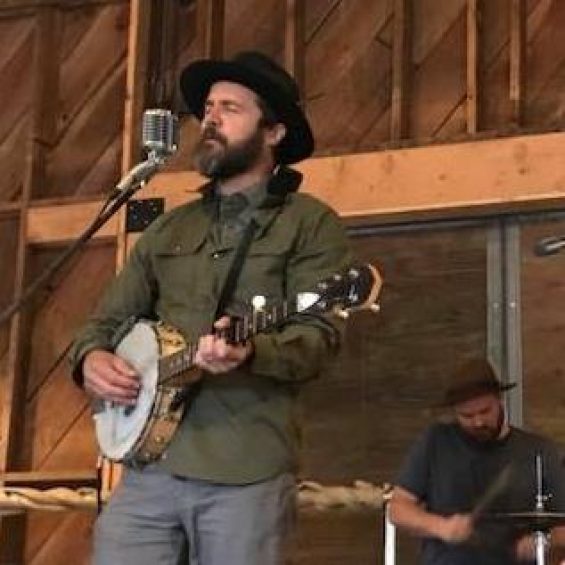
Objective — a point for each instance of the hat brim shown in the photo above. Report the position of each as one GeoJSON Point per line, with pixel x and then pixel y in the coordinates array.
{"type": "Point", "coordinates": [198, 77]}
{"type": "Point", "coordinates": [461, 395]}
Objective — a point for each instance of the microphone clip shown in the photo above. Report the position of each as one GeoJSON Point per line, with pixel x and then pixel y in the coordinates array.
{"type": "Point", "coordinates": [136, 177]}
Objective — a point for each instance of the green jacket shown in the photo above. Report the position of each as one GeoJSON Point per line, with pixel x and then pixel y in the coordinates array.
{"type": "Point", "coordinates": [241, 427]}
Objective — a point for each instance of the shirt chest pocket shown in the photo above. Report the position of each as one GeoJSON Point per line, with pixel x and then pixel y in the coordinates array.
{"type": "Point", "coordinates": [265, 271]}
{"type": "Point", "coordinates": [184, 276]}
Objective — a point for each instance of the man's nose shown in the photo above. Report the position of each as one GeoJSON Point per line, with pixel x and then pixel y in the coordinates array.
{"type": "Point", "coordinates": [212, 117]}
{"type": "Point", "coordinates": [478, 422]}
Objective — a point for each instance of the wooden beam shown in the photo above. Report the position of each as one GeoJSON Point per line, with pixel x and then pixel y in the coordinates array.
{"type": "Point", "coordinates": [517, 60]}
{"type": "Point", "coordinates": [13, 8]}
{"type": "Point", "coordinates": [10, 210]}
{"type": "Point", "coordinates": [50, 479]}
{"type": "Point", "coordinates": [137, 75]}
{"type": "Point", "coordinates": [295, 44]}
{"type": "Point", "coordinates": [164, 54]}
{"type": "Point", "coordinates": [44, 124]}
{"type": "Point", "coordinates": [62, 223]}
{"type": "Point", "coordinates": [136, 81]}
{"type": "Point", "coordinates": [442, 181]}
{"type": "Point", "coordinates": [401, 64]}
{"type": "Point", "coordinates": [473, 65]}
{"type": "Point", "coordinates": [210, 27]}
{"type": "Point", "coordinates": [10, 4]}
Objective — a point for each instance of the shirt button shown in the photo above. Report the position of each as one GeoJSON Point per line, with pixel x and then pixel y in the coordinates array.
{"type": "Point", "coordinates": [215, 255]}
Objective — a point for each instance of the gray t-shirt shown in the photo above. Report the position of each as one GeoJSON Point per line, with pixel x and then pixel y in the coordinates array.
{"type": "Point", "coordinates": [449, 472]}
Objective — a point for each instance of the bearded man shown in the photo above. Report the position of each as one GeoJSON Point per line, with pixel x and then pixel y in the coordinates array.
{"type": "Point", "coordinates": [223, 492]}
{"type": "Point", "coordinates": [460, 475]}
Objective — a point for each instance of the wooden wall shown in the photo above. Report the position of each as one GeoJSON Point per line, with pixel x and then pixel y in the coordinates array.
{"type": "Point", "coordinates": [375, 74]}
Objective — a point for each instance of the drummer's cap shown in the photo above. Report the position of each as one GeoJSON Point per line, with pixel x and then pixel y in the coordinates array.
{"type": "Point", "coordinates": [473, 378]}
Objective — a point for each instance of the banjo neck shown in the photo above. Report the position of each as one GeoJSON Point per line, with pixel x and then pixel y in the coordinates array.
{"type": "Point", "coordinates": [238, 332]}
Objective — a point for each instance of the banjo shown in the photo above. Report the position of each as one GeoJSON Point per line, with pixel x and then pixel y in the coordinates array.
{"type": "Point", "coordinates": [164, 361]}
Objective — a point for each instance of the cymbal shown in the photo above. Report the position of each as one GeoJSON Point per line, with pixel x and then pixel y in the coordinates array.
{"type": "Point", "coordinates": [531, 521]}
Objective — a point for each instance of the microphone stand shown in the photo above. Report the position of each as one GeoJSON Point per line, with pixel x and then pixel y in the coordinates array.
{"type": "Point", "coordinates": [541, 541]}
{"type": "Point", "coordinates": [124, 190]}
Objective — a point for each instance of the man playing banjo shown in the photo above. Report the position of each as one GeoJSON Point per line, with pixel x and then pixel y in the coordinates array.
{"type": "Point", "coordinates": [223, 490]}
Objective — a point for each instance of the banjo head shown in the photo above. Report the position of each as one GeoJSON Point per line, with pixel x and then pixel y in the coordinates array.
{"type": "Point", "coordinates": [119, 427]}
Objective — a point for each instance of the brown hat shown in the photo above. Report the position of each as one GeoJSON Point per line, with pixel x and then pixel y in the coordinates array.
{"type": "Point", "coordinates": [473, 378]}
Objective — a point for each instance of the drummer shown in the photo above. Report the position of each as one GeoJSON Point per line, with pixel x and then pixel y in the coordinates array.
{"type": "Point", "coordinates": [459, 473]}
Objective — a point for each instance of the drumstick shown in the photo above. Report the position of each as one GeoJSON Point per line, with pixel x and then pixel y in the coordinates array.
{"type": "Point", "coordinates": [493, 490]}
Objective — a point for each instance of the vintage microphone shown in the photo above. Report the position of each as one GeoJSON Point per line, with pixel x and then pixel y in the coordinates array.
{"type": "Point", "coordinates": [160, 141]}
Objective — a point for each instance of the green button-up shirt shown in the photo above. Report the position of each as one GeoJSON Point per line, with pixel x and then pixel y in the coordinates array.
{"type": "Point", "coordinates": [241, 426]}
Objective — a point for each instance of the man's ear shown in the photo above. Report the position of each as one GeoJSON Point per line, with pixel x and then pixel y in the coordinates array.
{"type": "Point", "coordinates": [275, 134]}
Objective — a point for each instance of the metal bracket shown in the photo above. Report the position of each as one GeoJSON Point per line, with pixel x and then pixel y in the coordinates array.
{"type": "Point", "coordinates": [140, 213]}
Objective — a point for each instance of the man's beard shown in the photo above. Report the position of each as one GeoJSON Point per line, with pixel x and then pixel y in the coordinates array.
{"type": "Point", "coordinates": [220, 160]}
{"type": "Point", "coordinates": [488, 435]}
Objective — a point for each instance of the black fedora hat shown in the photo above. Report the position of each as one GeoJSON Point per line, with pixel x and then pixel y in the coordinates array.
{"type": "Point", "coordinates": [471, 379]}
{"type": "Point", "coordinates": [267, 79]}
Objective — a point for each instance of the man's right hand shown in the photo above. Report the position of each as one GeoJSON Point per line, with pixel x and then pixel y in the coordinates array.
{"type": "Point", "coordinates": [456, 528]}
{"type": "Point", "coordinates": [109, 377]}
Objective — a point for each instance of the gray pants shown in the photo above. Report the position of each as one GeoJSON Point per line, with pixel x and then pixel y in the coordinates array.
{"type": "Point", "coordinates": [154, 518]}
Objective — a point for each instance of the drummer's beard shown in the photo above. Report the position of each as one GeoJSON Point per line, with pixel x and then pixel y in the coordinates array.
{"type": "Point", "coordinates": [487, 433]}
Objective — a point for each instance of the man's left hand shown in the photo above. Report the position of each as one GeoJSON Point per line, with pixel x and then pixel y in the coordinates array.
{"type": "Point", "coordinates": [217, 356]}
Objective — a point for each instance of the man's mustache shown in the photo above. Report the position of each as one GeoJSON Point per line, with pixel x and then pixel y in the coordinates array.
{"type": "Point", "coordinates": [211, 133]}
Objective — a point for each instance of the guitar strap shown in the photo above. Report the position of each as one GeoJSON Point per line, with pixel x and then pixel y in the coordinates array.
{"type": "Point", "coordinates": [235, 268]}
{"type": "Point", "coordinates": [190, 391]}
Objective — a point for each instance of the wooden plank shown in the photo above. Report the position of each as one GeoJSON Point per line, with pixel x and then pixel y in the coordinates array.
{"type": "Point", "coordinates": [517, 60]}
{"type": "Point", "coordinates": [401, 63]}
{"type": "Point", "coordinates": [13, 384]}
{"type": "Point", "coordinates": [16, 48]}
{"type": "Point", "coordinates": [9, 7]}
{"type": "Point", "coordinates": [546, 58]}
{"type": "Point", "coordinates": [442, 181]}
{"type": "Point", "coordinates": [9, 210]}
{"type": "Point", "coordinates": [164, 54]}
{"type": "Point", "coordinates": [136, 79]}
{"type": "Point", "coordinates": [94, 130]}
{"type": "Point", "coordinates": [356, 93]}
{"type": "Point", "coordinates": [13, 161]}
{"type": "Point", "coordinates": [61, 223]}
{"type": "Point", "coordinates": [89, 66]}
{"type": "Point", "coordinates": [430, 18]}
{"type": "Point", "coordinates": [71, 537]}
{"type": "Point", "coordinates": [50, 479]}
{"type": "Point", "coordinates": [439, 83]}
{"type": "Point", "coordinates": [259, 26]}
{"type": "Point", "coordinates": [295, 45]}
{"type": "Point", "coordinates": [210, 27]}
{"type": "Point", "coordinates": [44, 125]}
{"type": "Point", "coordinates": [398, 185]}
{"type": "Point", "coordinates": [473, 64]}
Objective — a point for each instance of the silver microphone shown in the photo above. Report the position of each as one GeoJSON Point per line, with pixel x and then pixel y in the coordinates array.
{"type": "Point", "coordinates": [160, 133]}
